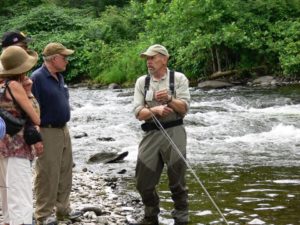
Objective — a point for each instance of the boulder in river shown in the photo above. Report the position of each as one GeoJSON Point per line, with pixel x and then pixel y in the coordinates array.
{"type": "Point", "coordinates": [107, 157]}
{"type": "Point", "coordinates": [264, 81]}
{"type": "Point", "coordinates": [214, 84]}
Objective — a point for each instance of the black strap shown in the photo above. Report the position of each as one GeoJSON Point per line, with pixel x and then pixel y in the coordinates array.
{"type": "Point", "coordinates": [11, 94]}
{"type": "Point", "coordinates": [147, 84]}
{"type": "Point", "coordinates": [171, 83]}
{"type": "Point", "coordinates": [152, 126]}
{"type": "Point", "coordinates": [23, 114]}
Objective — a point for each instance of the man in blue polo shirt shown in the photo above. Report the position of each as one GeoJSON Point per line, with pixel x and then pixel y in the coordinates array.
{"type": "Point", "coordinates": [53, 168]}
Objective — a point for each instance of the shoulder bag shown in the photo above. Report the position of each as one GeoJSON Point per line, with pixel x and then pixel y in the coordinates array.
{"type": "Point", "coordinates": [13, 124]}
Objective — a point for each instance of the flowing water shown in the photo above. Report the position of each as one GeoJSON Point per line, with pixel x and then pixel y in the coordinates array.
{"type": "Point", "coordinates": [243, 143]}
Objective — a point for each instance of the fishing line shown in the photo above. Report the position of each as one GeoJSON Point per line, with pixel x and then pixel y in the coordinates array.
{"type": "Point", "coordinates": [158, 124]}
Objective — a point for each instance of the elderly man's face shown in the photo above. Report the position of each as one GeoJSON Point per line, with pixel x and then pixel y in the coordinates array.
{"type": "Point", "coordinates": [60, 62]}
{"type": "Point", "coordinates": [156, 63]}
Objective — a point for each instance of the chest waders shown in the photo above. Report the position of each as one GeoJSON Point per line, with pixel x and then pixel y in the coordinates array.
{"type": "Point", "coordinates": [148, 126]}
{"type": "Point", "coordinates": [171, 83]}
{"type": "Point", "coordinates": [161, 126]}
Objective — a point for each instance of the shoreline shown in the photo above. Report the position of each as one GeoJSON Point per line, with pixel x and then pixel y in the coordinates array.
{"type": "Point", "coordinates": [104, 199]}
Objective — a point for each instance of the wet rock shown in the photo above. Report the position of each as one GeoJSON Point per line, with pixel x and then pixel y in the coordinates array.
{"type": "Point", "coordinates": [122, 171]}
{"type": "Point", "coordinates": [92, 118]}
{"type": "Point", "coordinates": [118, 157]}
{"type": "Point", "coordinates": [106, 139]}
{"type": "Point", "coordinates": [96, 210]}
{"type": "Point", "coordinates": [114, 86]}
{"type": "Point", "coordinates": [256, 221]}
{"type": "Point", "coordinates": [77, 136]}
{"type": "Point", "coordinates": [107, 157]}
{"type": "Point", "coordinates": [214, 84]}
{"type": "Point", "coordinates": [125, 94]}
{"type": "Point", "coordinates": [264, 81]}
{"type": "Point", "coordinates": [110, 179]}
{"type": "Point", "coordinates": [96, 86]}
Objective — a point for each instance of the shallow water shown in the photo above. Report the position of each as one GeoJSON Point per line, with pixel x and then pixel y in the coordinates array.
{"type": "Point", "coordinates": [244, 145]}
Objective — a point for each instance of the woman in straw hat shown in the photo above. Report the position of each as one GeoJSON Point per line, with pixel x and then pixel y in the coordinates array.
{"type": "Point", "coordinates": [15, 154]}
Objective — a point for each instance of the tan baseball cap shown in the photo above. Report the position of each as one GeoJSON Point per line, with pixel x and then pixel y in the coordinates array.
{"type": "Point", "coordinates": [56, 48]}
{"type": "Point", "coordinates": [154, 50]}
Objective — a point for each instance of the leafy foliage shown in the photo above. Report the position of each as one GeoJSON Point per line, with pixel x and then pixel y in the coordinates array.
{"type": "Point", "coordinates": [202, 36]}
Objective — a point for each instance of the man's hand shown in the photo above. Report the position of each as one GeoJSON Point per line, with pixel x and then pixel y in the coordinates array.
{"type": "Point", "coordinates": [162, 96]}
{"type": "Point", "coordinates": [163, 110]}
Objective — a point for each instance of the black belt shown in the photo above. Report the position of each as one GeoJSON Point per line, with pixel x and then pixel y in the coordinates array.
{"type": "Point", "coordinates": [53, 125]}
{"type": "Point", "coordinates": [152, 126]}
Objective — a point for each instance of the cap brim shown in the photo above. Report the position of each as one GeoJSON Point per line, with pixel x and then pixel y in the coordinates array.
{"type": "Point", "coordinates": [67, 52]}
{"type": "Point", "coordinates": [146, 54]}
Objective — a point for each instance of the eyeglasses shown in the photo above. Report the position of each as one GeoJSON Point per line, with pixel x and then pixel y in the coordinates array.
{"type": "Point", "coordinates": [63, 57]}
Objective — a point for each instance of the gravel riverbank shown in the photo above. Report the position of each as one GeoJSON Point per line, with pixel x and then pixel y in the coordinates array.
{"type": "Point", "coordinates": [103, 199]}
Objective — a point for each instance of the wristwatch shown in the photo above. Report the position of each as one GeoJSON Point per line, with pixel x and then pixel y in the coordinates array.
{"type": "Point", "coordinates": [170, 100]}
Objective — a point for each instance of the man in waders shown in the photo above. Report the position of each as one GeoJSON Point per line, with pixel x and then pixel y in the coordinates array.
{"type": "Point", "coordinates": [162, 95]}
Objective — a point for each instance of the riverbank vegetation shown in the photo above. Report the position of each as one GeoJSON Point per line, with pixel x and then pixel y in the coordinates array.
{"type": "Point", "coordinates": [204, 37]}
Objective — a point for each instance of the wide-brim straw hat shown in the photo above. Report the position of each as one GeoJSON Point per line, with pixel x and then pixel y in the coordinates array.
{"type": "Point", "coordinates": [15, 60]}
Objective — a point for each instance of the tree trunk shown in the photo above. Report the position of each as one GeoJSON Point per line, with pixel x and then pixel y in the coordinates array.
{"type": "Point", "coordinates": [218, 60]}
{"type": "Point", "coordinates": [213, 59]}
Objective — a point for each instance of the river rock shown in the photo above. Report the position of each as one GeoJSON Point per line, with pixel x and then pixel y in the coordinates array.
{"type": "Point", "coordinates": [107, 157]}
{"type": "Point", "coordinates": [114, 86]}
{"type": "Point", "coordinates": [105, 139]}
{"type": "Point", "coordinates": [264, 81]}
{"type": "Point", "coordinates": [125, 94]}
{"type": "Point", "coordinates": [83, 134]}
{"type": "Point", "coordinates": [96, 210]}
{"type": "Point", "coordinates": [256, 221]}
{"type": "Point", "coordinates": [214, 84]}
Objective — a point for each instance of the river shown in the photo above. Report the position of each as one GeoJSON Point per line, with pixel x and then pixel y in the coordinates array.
{"type": "Point", "coordinates": [243, 143]}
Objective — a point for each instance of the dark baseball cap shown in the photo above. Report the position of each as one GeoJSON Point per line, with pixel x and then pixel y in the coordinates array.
{"type": "Point", "coordinates": [14, 37]}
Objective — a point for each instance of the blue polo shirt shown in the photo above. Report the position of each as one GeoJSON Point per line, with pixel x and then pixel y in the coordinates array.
{"type": "Point", "coordinates": [52, 95]}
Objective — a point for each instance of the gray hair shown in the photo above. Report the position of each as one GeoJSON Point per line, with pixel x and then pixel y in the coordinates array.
{"type": "Point", "coordinates": [49, 58]}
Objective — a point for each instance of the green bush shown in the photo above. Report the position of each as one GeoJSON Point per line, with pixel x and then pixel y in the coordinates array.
{"type": "Point", "coordinates": [202, 36]}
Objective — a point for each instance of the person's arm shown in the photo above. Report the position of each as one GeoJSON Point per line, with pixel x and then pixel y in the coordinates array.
{"type": "Point", "coordinates": [21, 97]}
{"type": "Point", "coordinates": [180, 104]}
{"type": "Point", "coordinates": [177, 105]}
{"type": "Point", "coordinates": [141, 113]}
{"type": "Point", "coordinates": [158, 111]}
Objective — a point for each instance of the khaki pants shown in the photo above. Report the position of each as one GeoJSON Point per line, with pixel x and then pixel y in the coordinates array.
{"type": "Point", "coordinates": [53, 179]}
{"type": "Point", "coordinates": [155, 151]}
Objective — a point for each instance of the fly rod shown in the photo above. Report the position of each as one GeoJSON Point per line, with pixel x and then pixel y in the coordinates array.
{"type": "Point", "coordinates": [159, 125]}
